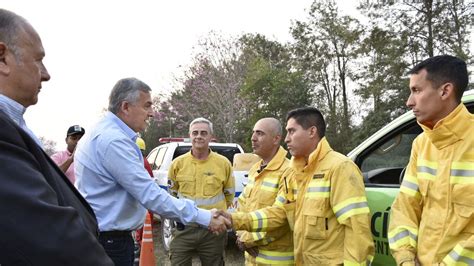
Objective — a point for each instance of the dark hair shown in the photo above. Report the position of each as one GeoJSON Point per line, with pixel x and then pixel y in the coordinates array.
{"type": "Point", "coordinates": [308, 117]}
{"type": "Point", "coordinates": [445, 68]}
{"type": "Point", "coordinates": [127, 89]}
{"type": "Point", "coordinates": [10, 25]}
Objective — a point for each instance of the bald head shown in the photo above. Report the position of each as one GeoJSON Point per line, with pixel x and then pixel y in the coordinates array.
{"type": "Point", "coordinates": [266, 137]}
{"type": "Point", "coordinates": [21, 60]}
{"type": "Point", "coordinates": [272, 126]}
{"type": "Point", "coordinates": [10, 26]}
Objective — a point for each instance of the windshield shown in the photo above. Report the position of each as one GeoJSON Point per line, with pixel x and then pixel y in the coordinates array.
{"type": "Point", "coordinates": [226, 151]}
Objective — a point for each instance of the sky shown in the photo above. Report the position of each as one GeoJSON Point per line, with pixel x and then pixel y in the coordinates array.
{"type": "Point", "coordinates": [91, 44]}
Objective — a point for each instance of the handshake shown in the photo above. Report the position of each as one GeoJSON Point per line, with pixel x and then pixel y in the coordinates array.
{"type": "Point", "coordinates": [221, 221]}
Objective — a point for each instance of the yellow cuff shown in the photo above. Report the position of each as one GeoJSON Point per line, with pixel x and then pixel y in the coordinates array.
{"type": "Point", "coordinates": [405, 256]}
{"type": "Point", "coordinates": [408, 263]}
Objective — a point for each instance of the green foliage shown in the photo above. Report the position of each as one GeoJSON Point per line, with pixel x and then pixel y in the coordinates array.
{"type": "Point", "coordinates": [399, 36]}
{"type": "Point", "coordinates": [163, 124]}
{"type": "Point", "coordinates": [326, 47]}
{"type": "Point", "coordinates": [336, 64]}
{"type": "Point", "coordinates": [271, 86]}
{"type": "Point", "coordinates": [432, 27]}
{"type": "Point", "coordinates": [381, 80]}
{"type": "Point", "coordinates": [272, 92]}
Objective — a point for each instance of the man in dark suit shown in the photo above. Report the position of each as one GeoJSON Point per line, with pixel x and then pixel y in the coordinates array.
{"type": "Point", "coordinates": [43, 219]}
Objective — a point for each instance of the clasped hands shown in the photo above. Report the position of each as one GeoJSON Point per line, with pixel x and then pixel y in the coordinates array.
{"type": "Point", "coordinates": [221, 221]}
{"type": "Point", "coordinates": [252, 251]}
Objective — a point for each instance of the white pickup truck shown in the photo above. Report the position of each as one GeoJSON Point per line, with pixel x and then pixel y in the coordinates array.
{"type": "Point", "coordinates": [160, 159]}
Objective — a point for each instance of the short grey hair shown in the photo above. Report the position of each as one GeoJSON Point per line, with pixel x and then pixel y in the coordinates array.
{"type": "Point", "coordinates": [11, 25]}
{"type": "Point", "coordinates": [126, 90]}
{"type": "Point", "coordinates": [202, 120]}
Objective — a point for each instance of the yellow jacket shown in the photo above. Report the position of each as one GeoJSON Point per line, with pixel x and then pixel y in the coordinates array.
{"type": "Point", "coordinates": [433, 215]}
{"type": "Point", "coordinates": [262, 191]}
{"type": "Point", "coordinates": [210, 183]}
{"type": "Point", "coordinates": [329, 215]}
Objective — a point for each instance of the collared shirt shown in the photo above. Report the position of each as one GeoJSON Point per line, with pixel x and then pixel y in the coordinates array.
{"type": "Point", "coordinates": [327, 207]}
{"type": "Point", "coordinates": [208, 182]}
{"type": "Point", "coordinates": [111, 177]}
{"type": "Point", "coordinates": [267, 186]}
{"type": "Point", "coordinates": [431, 218]}
{"type": "Point", "coordinates": [59, 158]}
{"type": "Point", "coordinates": [15, 111]}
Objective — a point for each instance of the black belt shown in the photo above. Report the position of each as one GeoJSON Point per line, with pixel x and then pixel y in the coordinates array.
{"type": "Point", "coordinates": [181, 227]}
{"type": "Point", "coordinates": [115, 233]}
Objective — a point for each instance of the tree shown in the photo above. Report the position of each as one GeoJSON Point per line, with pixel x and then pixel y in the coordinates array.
{"type": "Point", "coordinates": [432, 27]}
{"type": "Point", "coordinates": [400, 34]}
{"type": "Point", "coordinates": [326, 45]}
{"type": "Point", "coordinates": [460, 17]}
{"type": "Point", "coordinates": [271, 87]}
{"type": "Point", "coordinates": [211, 87]}
{"type": "Point", "coordinates": [381, 79]}
{"type": "Point", "coordinates": [162, 124]}
{"type": "Point", "coordinates": [49, 146]}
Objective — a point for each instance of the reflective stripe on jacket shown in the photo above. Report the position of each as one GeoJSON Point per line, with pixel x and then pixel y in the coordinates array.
{"type": "Point", "coordinates": [261, 191]}
{"type": "Point", "coordinates": [329, 213]}
{"type": "Point", "coordinates": [210, 183]}
{"type": "Point", "coordinates": [433, 215]}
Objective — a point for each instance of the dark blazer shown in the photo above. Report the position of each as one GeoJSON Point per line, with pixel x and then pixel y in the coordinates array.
{"type": "Point", "coordinates": [43, 218]}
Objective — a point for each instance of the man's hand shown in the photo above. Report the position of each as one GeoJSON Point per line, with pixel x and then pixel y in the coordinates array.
{"type": "Point", "coordinates": [72, 154]}
{"type": "Point", "coordinates": [225, 214]}
{"type": "Point", "coordinates": [414, 262]}
{"type": "Point", "coordinates": [240, 244]}
{"type": "Point", "coordinates": [67, 163]}
{"type": "Point", "coordinates": [252, 251]}
{"type": "Point", "coordinates": [219, 223]}
{"type": "Point", "coordinates": [417, 262]}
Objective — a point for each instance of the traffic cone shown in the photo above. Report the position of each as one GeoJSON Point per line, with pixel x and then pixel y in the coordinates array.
{"type": "Point", "coordinates": [147, 254]}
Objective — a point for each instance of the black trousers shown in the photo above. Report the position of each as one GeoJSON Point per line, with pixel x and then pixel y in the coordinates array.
{"type": "Point", "coordinates": [119, 246]}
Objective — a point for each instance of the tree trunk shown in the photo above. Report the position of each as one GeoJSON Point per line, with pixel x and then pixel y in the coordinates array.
{"type": "Point", "coordinates": [429, 25]}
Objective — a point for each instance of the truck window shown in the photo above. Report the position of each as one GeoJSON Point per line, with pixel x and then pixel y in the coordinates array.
{"type": "Point", "coordinates": [393, 152]}
{"type": "Point", "coordinates": [384, 162]}
{"type": "Point", "coordinates": [152, 157]}
{"type": "Point", "coordinates": [226, 151]}
{"type": "Point", "coordinates": [160, 155]}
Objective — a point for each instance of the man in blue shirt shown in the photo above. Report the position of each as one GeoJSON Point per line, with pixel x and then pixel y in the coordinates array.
{"type": "Point", "coordinates": [110, 175]}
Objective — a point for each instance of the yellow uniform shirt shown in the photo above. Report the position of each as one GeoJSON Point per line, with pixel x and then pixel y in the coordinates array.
{"type": "Point", "coordinates": [262, 191]}
{"type": "Point", "coordinates": [210, 183]}
{"type": "Point", "coordinates": [329, 215]}
{"type": "Point", "coordinates": [433, 215]}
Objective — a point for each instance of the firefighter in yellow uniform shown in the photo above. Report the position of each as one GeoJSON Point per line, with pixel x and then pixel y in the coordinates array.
{"type": "Point", "coordinates": [432, 219]}
{"type": "Point", "coordinates": [206, 178]}
{"type": "Point", "coordinates": [326, 204]}
{"type": "Point", "coordinates": [266, 178]}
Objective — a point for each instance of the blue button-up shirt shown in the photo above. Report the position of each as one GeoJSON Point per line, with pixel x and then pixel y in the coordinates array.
{"type": "Point", "coordinates": [15, 111]}
{"type": "Point", "coordinates": [111, 177]}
